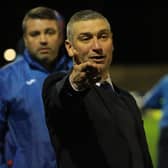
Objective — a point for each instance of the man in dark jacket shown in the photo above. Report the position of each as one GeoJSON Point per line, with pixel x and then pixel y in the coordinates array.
{"type": "Point", "coordinates": [92, 122]}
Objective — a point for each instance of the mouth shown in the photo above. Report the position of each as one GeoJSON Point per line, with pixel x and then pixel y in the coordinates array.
{"type": "Point", "coordinates": [44, 50]}
{"type": "Point", "coordinates": [98, 58]}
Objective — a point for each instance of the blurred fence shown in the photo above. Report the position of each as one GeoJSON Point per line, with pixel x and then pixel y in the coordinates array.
{"type": "Point", "coordinates": [138, 78]}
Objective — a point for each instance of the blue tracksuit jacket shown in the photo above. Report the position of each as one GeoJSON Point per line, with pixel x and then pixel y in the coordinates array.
{"type": "Point", "coordinates": [157, 97]}
{"type": "Point", "coordinates": [24, 138]}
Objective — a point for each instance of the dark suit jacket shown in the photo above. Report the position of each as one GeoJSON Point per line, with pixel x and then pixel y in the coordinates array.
{"type": "Point", "coordinates": [95, 128]}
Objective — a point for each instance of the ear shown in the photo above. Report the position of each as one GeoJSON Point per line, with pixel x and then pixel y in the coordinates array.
{"type": "Point", "coordinates": [69, 48]}
{"type": "Point", "coordinates": [25, 41]}
{"type": "Point", "coordinates": [112, 47]}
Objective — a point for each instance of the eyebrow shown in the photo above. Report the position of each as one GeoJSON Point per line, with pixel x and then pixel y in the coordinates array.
{"type": "Point", "coordinates": [105, 31]}
{"type": "Point", "coordinates": [101, 31]}
{"type": "Point", "coordinates": [85, 33]}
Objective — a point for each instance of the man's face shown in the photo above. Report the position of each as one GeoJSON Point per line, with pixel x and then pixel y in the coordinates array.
{"type": "Point", "coordinates": [42, 39]}
{"type": "Point", "coordinates": [92, 41]}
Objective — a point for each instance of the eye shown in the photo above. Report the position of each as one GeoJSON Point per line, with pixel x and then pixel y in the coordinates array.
{"type": "Point", "coordinates": [85, 37]}
{"type": "Point", "coordinates": [34, 33]}
{"type": "Point", "coordinates": [104, 36]}
{"type": "Point", "coordinates": [50, 31]}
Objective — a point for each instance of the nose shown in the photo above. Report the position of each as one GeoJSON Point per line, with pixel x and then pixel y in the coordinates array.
{"type": "Point", "coordinates": [96, 43]}
{"type": "Point", "coordinates": [96, 46]}
{"type": "Point", "coordinates": [43, 39]}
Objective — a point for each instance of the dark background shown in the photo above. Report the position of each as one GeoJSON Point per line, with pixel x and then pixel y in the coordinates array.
{"type": "Point", "coordinates": [140, 33]}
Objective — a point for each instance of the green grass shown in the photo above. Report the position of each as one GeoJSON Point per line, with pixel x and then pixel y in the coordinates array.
{"type": "Point", "coordinates": [151, 125]}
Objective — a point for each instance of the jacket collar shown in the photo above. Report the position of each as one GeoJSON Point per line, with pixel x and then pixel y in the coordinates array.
{"type": "Point", "coordinates": [62, 64]}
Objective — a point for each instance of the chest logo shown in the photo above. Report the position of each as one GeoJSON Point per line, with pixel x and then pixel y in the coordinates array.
{"type": "Point", "coordinates": [31, 81]}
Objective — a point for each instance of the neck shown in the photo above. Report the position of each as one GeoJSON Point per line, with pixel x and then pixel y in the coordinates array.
{"type": "Point", "coordinates": [105, 75]}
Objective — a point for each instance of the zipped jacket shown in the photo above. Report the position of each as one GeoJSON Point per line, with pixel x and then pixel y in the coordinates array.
{"type": "Point", "coordinates": [24, 138]}
{"type": "Point", "coordinates": [157, 98]}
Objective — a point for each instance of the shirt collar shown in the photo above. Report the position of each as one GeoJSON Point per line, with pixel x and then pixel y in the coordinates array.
{"type": "Point", "coordinates": [108, 80]}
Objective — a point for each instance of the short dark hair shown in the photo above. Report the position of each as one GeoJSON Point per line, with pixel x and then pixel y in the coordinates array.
{"type": "Point", "coordinates": [41, 13]}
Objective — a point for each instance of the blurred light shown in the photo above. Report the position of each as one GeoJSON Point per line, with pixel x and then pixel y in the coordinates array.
{"type": "Point", "coordinates": [9, 54]}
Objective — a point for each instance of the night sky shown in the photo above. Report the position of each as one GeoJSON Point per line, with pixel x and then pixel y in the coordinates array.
{"type": "Point", "coordinates": [140, 33]}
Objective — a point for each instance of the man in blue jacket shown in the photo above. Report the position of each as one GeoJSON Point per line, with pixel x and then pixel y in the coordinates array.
{"type": "Point", "coordinates": [24, 138]}
{"type": "Point", "coordinates": [157, 98]}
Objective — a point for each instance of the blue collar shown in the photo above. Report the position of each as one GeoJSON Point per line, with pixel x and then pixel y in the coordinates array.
{"type": "Point", "coordinates": [63, 63]}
